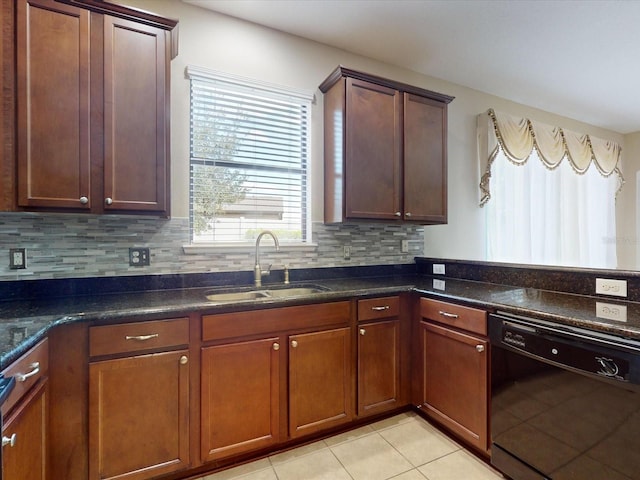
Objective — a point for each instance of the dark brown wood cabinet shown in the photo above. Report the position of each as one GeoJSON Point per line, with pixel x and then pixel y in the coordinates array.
{"type": "Point", "coordinates": [378, 355]}
{"type": "Point", "coordinates": [25, 428]}
{"type": "Point", "coordinates": [320, 375]}
{"type": "Point", "coordinates": [92, 100]}
{"type": "Point", "coordinates": [240, 397]}
{"type": "Point", "coordinates": [453, 369]}
{"type": "Point", "coordinates": [385, 150]}
{"type": "Point", "coordinates": [272, 375]}
{"type": "Point", "coordinates": [139, 424]}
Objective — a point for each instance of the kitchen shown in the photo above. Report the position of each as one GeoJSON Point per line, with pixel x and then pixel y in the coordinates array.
{"type": "Point", "coordinates": [81, 247]}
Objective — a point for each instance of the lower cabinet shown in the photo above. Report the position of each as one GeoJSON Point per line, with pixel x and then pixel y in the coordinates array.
{"type": "Point", "coordinates": [24, 438]}
{"type": "Point", "coordinates": [453, 370]}
{"type": "Point", "coordinates": [272, 375]}
{"type": "Point", "coordinates": [240, 406]}
{"type": "Point", "coordinates": [138, 404]}
{"type": "Point", "coordinates": [319, 381]}
{"type": "Point", "coordinates": [25, 416]}
{"type": "Point", "coordinates": [378, 355]}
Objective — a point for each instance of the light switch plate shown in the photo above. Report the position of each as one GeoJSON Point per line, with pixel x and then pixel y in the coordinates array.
{"type": "Point", "coordinates": [438, 268]}
{"type": "Point", "coordinates": [607, 286]}
{"type": "Point", "coordinates": [438, 284]}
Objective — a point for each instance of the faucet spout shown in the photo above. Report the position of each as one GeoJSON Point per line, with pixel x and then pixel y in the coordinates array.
{"type": "Point", "coordinates": [257, 271]}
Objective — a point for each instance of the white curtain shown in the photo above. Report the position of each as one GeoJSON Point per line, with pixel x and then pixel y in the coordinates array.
{"type": "Point", "coordinates": [541, 209]}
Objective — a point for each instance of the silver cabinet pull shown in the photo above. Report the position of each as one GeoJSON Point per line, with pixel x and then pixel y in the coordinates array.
{"type": "Point", "coordinates": [35, 369]}
{"type": "Point", "coordinates": [398, 214]}
{"type": "Point", "coordinates": [447, 314]}
{"type": "Point", "coordinates": [84, 200]}
{"type": "Point", "coordinates": [141, 338]}
{"type": "Point", "coordinates": [276, 346]}
{"type": "Point", "coordinates": [381, 308]}
{"type": "Point", "coordinates": [362, 331]}
{"type": "Point", "coordinates": [407, 214]}
{"type": "Point", "coordinates": [108, 201]}
{"type": "Point", "coordinates": [480, 348]}
{"type": "Point", "coordinates": [184, 360]}
{"type": "Point", "coordinates": [11, 441]}
{"type": "Point", "coordinates": [294, 344]}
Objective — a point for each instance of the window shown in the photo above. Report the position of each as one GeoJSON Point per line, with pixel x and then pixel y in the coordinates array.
{"type": "Point", "coordinates": [249, 166]}
{"type": "Point", "coordinates": [549, 193]}
{"type": "Point", "coordinates": [550, 217]}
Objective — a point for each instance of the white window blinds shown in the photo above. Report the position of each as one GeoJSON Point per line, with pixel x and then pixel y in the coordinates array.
{"type": "Point", "coordinates": [249, 160]}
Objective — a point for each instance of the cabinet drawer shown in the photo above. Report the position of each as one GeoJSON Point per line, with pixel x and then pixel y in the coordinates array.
{"type": "Point", "coordinates": [132, 337]}
{"type": "Point", "coordinates": [257, 322]}
{"type": "Point", "coordinates": [466, 318]}
{"type": "Point", "coordinates": [28, 369]}
{"type": "Point", "coordinates": [373, 308]}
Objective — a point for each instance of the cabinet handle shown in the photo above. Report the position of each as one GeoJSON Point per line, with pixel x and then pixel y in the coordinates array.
{"type": "Point", "coordinates": [276, 346]}
{"type": "Point", "coordinates": [84, 200]}
{"type": "Point", "coordinates": [11, 441]}
{"type": "Point", "coordinates": [108, 201]}
{"type": "Point", "coordinates": [407, 214]}
{"type": "Point", "coordinates": [294, 344]}
{"type": "Point", "coordinates": [480, 348]}
{"type": "Point", "coordinates": [35, 369]}
{"type": "Point", "coordinates": [398, 214]}
{"type": "Point", "coordinates": [141, 338]}
{"type": "Point", "coordinates": [362, 331]}
{"type": "Point", "coordinates": [380, 309]}
{"type": "Point", "coordinates": [184, 360]}
{"type": "Point", "coordinates": [447, 314]}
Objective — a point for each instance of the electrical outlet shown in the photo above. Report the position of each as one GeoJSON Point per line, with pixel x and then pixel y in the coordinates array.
{"type": "Point", "coordinates": [139, 257]}
{"type": "Point", "coordinates": [438, 268]}
{"type": "Point", "coordinates": [17, 258]}
{"type": "Point", "coordinates": [347, 252]}
{"type": "Point", "coordinates": [610, 311]}
{"type": "Point", "coordinates": [607, 286]}
{"type": "Point", "coordinates": [405, 246]}
{"type": "Point", "coordinates": [439, 284]}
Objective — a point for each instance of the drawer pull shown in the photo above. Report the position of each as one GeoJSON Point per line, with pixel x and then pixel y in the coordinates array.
{"type": "Point", "coordinates": [294, 344]}
{"type": "Point", "coordinates": [362, 331]}
{"type": "Point", "coordinates": [11, 441]}
{"type": "Point", "coordinates": [480, 348]}
{"type": "Point", "coordinates": [380, 309]}
{"type": "Point", "coordinates": [141, 338]}
{"type": "Point", "coordinates": [35, 369]}
{"type": "Point", "coordinates": [447, 314]}
{"type": "Point", "coordinates": [184, 360]}
{"type": "Point", "coordinates": [276, 346]}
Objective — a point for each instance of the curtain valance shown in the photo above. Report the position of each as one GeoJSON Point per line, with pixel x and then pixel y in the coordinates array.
{"type": "Point", "coordinates": [517, 137]}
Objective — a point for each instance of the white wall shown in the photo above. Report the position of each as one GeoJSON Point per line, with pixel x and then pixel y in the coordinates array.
{"type": "Point", "coordinates": [215, 41]}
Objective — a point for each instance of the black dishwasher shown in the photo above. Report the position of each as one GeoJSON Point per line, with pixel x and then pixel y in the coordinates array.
{"type": "Point", "coordinates": [565, 401]}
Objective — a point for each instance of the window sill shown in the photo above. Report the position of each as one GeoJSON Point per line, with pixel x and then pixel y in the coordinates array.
{"type": "Point", "coordinates": [246, 248]}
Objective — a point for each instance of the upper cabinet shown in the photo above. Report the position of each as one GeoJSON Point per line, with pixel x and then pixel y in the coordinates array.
{"type": "Point", "coordinates": [92, 104]}
{"type": "Point", "coordinates": [385, 149]}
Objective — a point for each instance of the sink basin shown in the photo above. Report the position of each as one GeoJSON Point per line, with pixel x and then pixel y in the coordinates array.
{"type": "Point", "coordinates": [263, 294]}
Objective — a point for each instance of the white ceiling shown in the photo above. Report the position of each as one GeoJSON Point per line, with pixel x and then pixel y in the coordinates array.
{"type": "Point", "coordinates": [575, 58]}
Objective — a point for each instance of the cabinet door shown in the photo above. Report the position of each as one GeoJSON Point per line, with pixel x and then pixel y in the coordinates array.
{"type": "Point", "coordinates": [425, 160]}
{"type": "Point", "coordinates": [240, 397]}
{"type": "Point", "coordinates": [52, 105]}
{"type": "Point", "coordinates": [136, 113]}
{"type": "Point", "coordinates": [378, 366]}
{"type": "Point", "coordinates": [373, 151]}
{"type": "Point", "coordinates": [320, 377]}
{"type": "Point", "coordinates": [455, 382]}
{"type": "Point", "coordinates": [26, 459]}
{"type": "Point", "coordinates": [139, 416]}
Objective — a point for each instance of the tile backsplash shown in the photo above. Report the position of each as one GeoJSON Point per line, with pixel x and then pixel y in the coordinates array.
{"type": "Point", "coordinates": [75, 246]}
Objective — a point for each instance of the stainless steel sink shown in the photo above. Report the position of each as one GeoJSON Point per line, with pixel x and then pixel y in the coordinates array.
{"type": "Point", "coordinates": [229, 297]}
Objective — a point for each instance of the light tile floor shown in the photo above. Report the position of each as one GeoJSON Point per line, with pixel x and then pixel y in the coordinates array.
{"type": "Point", "coordinates": [403, 447]}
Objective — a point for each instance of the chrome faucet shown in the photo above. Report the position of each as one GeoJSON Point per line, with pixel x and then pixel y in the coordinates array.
{"type": "Point", "coordinates": [257, 271]}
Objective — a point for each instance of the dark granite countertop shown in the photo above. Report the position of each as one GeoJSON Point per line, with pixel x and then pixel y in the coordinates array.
{"type": "Point", "coordinates": [24, 322]}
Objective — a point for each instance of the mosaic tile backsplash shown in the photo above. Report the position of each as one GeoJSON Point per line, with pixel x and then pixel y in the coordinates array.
{"type": "Point", "coordinates": [76, 246]}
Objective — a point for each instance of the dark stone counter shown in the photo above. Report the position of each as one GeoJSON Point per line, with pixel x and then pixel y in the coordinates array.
{"type": "Point", "coordinates": [23, 322]}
